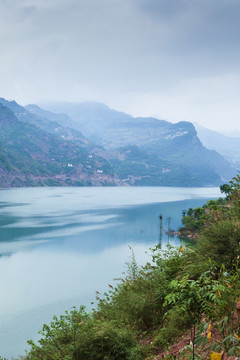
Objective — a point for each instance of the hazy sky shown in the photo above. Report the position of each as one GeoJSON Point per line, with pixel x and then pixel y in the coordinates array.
{"type": "Point", "coordinates": [173, 59]}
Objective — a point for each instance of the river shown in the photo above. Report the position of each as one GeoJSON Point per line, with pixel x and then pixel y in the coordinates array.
{"type": "Point", "coordinates": [60, 245]}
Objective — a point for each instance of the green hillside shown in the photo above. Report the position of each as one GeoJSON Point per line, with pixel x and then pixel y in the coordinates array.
{"type": "Point", "coordinates": [30, 156]}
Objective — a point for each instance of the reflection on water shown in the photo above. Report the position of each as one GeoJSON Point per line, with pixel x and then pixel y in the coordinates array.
{"type": "Point", "coordinates": [60, 245]}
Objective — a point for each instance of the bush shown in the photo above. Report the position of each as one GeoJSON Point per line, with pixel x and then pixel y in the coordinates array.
{"type": "Point", "coordinates": [220, 241]}
{"type": "Point", "coordinates": [76, 335]}
{"type": "Point", "coordinates": [174, 326]}
{"type": "Point", "coordinates": [108, 341]}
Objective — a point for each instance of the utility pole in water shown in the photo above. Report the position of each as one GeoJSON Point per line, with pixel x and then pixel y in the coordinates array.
{"type": "Point", "coordinates": [161, 228]}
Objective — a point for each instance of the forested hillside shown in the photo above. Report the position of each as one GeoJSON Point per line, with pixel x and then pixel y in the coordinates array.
{"type": "Point", "coordinates": [30, 156]}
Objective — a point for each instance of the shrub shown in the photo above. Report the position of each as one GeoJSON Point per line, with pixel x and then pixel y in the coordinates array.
{"type": "Point", "coordinates": [76, 335]}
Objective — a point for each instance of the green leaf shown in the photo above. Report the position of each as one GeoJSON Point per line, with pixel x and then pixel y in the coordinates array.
{"type": "Point", "coordinates": [227, 338]}
{"type": "Point", "coordinates": [205, 326]}
{"type": "Point", "coordinates": [215, 347]}
{"type": "Point", "coordinates": [198, 340]}
{"type": "Point", "coordinates": [231, 351]}
{"type": "Point", "coordinates": [204, 343]}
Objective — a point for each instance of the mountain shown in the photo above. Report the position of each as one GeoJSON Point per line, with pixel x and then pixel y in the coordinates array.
{"type": "Point", "coordinates": [56, 124]}
{"type": "Point", "coordinates": [30, 156]}
{"type": "Point", "coordinates": [89, 143]}
{"type": "Point", "coordinates": [111, 128]}
{"type": "Point", "coordinates": [148, 151]}
{"type": "Point", "coordinates": [228, 146]}
{"type": "Point", "coordinates": [62, 119]}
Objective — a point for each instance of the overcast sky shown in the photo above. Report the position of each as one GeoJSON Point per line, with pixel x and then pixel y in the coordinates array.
{"type": "Point", "coordinates": [173, 59]}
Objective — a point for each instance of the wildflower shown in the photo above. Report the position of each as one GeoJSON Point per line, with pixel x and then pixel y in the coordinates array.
{"type": "Point", "coordinates": [209, 334]}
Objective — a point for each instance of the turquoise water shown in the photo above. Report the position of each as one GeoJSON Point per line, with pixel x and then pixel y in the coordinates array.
{"type": "Point", "coordinates": [59, 245]}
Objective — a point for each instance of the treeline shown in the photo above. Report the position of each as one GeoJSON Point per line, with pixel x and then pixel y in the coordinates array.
{"type": "Point", "coordinates": [191, 292]}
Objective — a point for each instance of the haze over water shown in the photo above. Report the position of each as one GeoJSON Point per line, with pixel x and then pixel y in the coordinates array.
{"type": "Point", "coordinates": [59, 245]}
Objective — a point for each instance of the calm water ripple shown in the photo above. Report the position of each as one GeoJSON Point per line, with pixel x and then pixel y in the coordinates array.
{"type": "Point", "coordinates": [59, 245]}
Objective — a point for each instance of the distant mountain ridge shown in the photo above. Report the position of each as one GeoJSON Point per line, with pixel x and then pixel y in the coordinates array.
{"type": "Point", "coordinates": [228, 146]}
{"type": "Point", "coordinates": [177, 155]}
{"type": "Point", "coordinates": [90, 144]}
{"type": "Point", "coordinates": [112, 128]}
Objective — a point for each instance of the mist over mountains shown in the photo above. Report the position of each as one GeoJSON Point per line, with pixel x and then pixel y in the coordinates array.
{"type": "Point", "coordinates": [227, 146]}
{"type": "Point", "coordinates": [77, 144]}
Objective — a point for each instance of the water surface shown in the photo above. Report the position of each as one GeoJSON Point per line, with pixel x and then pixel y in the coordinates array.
{"type": "Point", "coordinates": [59, 245]}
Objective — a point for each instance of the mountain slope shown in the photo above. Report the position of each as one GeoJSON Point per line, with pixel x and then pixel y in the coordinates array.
{"type": "Point", "coordinates": [31, 156]}
{"type": "Point", "coordinates": [180, 156]}
{"type": "Point", "coordinates": [56, 124]}
{"type": "Point", "coordinates": [49, 148]}
{"type": "Point", "coordinates": [111, 128]}
{"type": "Point", "coordinates": [227, 146]}
{"type": "Point", "coordinates": [61, 119]}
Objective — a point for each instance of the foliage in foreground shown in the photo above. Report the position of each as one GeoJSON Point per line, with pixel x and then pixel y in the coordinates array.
{"type": "Point", "coordinates": [183, 289]}
{"type": "Point", "coordinates": [76, 335]}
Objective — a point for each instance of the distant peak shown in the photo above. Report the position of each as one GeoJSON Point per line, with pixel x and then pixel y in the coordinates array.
{"type": "Point", "coordinates": [32, 106]}
{"type": "Point", "coordinates": [3, 100]}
